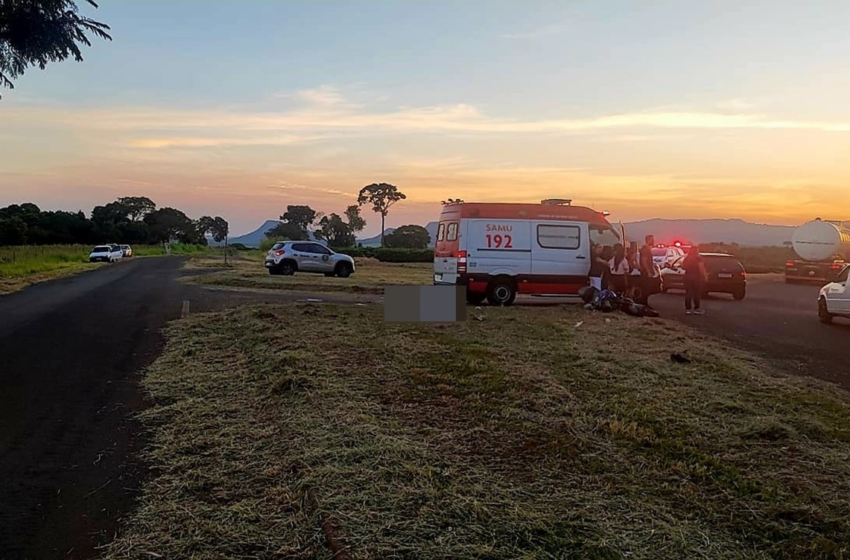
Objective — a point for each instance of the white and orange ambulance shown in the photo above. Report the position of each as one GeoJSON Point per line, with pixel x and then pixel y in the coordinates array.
{"type": "Point", "coordinates": [498, 250]}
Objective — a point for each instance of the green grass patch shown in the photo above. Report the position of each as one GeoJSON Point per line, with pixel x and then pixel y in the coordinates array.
{"type": "Point", "coordinates": [519, 436]}
{"type": "Point", "coordinates": [247, 271]}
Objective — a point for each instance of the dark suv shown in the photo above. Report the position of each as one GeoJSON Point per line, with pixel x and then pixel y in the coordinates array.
{"type": "Point", "coordinates": [726, 275]}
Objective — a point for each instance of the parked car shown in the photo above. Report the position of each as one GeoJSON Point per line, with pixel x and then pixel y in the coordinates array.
{"type": "Point", "coordinates": [288, 257]}
{"type": "Point", "coordinates": [106, 253]}
{"type": "Point", "coordinates": [663, 256]}
{"type": "Point", "coordinates": [673, 275]}
{"type": "Point", "coordinates": [127, 250]}
{"type": "Point", "coordinates": [834, 298]}
{"type": "Point", "coordinates": [726, 275]}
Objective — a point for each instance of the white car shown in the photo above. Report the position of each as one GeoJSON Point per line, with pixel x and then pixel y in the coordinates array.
{"type": "Point", "coordinates": [834, 298]}
{"type": "Point", "coordinates": [665, 256]}
{"type": "Point", "coordinates": [106, 253]}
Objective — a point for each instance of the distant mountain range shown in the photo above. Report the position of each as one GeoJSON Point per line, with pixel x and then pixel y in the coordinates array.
{"type": "Point", "coordinates": [665, 231]}
{"type": "Point", "coordinates": [256, 237]}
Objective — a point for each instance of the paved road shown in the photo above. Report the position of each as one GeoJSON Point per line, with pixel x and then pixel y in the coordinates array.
{"type": "Point", "coordinates": [70, 355]}
{"type": "Point", "coordinates": [776, 320]}
{"type": "Point", "coordinates": [70, 352]}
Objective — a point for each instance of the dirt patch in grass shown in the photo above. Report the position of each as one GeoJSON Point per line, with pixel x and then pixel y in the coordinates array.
{"type": "Point", "coordinates": [519, 436]}
{"type": "Point", "coordinates": [369, 278]}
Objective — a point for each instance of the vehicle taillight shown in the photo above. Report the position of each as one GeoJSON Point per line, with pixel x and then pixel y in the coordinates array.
{"type": "Point", "coordinates": [789, 264]}
{"type": "Point", "coordinates": [837, 266]}
{"type": "Point", "coordinates": [461, 262]}
{"type": "Point", "coordinates": [279, 252]}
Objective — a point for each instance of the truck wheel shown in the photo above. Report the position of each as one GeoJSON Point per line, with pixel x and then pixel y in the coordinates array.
{"type": "Point", "coordinates": [475, 298]}
{"type": "Point", "coordinates": [343, 270]}
{"type": "Point", "coordinates": [501, 291]}
{"type": "Point", "coordinates": [823, 312]}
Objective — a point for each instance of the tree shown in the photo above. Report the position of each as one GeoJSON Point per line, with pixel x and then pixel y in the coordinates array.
{"type": "Point", "coordinates": [335, 231]}
{"type": "Point", "coordinates": [295, 224]}
{"type": "Point", "coordinates": [110, 220]}
{"type": "Point", "coordinates": [27, 212]}
{"type": "Point", "coordinates": [300, 216]}
{"type": "Point", "coordinates": [13, 231]}
{"type": "Point", "coordinates": [35, 32]}
{"type": "Point", "coordinates": [381, 196]}
{"type": "Point", "coordinates": [409, 237]}
{"type": "Point", "coordinates": [355, 220]}
{"type": "Point", "coordinates": [287, 231]}
{"type": "Point", "coordinates": [168, 224]}
{"type": "Point", "coordinates": [137, 207]}
{"type": "Point", "coordinates": [218, 228]}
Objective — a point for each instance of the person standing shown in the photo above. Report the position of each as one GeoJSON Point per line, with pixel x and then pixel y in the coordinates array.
{"type": "Point", "coordinates": [648, 271]}
{"type": "Point", "coordinates": [618, 268]}
{"type": "Point", "coordinates": [695, 278]}
{"type": "Point", "coordinates": [634, 268]}
{"type": "Point", "coordinates": [597, 266]}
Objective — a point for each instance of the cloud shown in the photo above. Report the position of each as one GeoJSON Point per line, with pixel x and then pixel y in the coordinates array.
{"type": "Point", "coordinates": [324, 114]}
{"type": "Point", "coordinates": [327, 115]}
{"type": "Point", "coordinates": [542, 31]}
{"type": "Point", "coordinates": [736, 105]}
{"type": "Point", "coordinates": [286, 186]}
{"type": "Point", "coordinates": [202, 142]}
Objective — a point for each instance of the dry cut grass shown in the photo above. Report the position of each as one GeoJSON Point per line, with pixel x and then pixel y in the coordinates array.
{"type": "Point", "coordinates": [369, 277]}
{"type": "Point", "coordinates": [523, 435]}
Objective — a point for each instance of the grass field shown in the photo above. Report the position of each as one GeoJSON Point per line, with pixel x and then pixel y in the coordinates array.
{"type": "Point", "coordinates": [247, 272]}
{"type": "Point", "coordinates": [23, 266]}
{"type": "Point", "coordinates": [533, 433]}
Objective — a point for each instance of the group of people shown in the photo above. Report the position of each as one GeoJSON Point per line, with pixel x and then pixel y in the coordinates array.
{"type": "Point", "coordinates": [633, 273]}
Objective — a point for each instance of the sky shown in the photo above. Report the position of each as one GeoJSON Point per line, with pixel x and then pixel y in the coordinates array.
{"type": "Point", "coordinates": [644, 109]}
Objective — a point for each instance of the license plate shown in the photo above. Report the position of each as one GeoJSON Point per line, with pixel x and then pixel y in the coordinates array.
{"type": "Point", "coordinates": [724, 275]}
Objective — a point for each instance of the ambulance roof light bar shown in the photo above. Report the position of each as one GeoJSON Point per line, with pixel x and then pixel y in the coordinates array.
{"type": "Point", "coordinates": [557, 201]}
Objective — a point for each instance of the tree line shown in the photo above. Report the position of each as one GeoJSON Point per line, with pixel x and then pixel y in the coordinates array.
{"type": "Point", "coordinates": [131, 220]}
{"type": "Point", "coordinates": [301, 222]}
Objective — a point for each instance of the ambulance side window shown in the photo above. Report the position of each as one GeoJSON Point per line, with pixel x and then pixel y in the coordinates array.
{"type": "Point", "coordinates": [559, 237]}
{"type": "Point", "coordinates": [441, 232]}
{"type": "Point", "coordinates": [452, 232]}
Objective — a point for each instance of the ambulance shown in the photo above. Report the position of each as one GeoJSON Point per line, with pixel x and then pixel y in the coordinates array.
{"type": "Point", "coordinates": [499, 250]}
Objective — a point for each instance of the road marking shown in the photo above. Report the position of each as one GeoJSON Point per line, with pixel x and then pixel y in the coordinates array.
{"type": "Point", "coordinates": [185, 312]}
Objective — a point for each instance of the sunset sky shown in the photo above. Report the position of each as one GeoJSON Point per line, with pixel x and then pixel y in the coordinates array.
{"type": "Point", "coordinates": [644, 109]}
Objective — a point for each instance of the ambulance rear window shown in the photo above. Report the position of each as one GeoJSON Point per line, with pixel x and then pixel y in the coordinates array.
{"type": "Point", "coordinates": [452, 232]}
{"type": "Point", "coordinates": [441, 232]}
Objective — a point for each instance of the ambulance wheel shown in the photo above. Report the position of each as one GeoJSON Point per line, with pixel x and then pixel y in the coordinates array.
{"type": "Point", "coordinates": [475, 298]}
{"type": "Point", "coordinates": [501, 292]}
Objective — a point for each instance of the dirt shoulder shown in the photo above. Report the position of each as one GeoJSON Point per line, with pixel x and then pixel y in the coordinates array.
{"type": "Point", "coordinates": [534, 432]}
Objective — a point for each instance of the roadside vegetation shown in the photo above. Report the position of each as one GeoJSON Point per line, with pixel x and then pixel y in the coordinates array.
{"type": "Point", "coordinates": [21, 266]}
{"type": "Point", "coordinates": [289, 431]}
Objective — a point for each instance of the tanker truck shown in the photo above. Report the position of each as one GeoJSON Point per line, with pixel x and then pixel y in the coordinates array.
{"type": "Point", "coordinates": [823, 247]}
